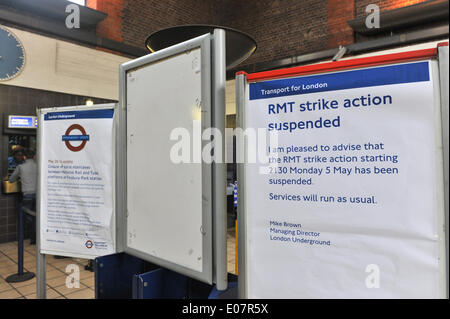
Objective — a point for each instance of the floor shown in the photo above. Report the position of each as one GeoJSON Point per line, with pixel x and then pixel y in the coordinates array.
{"type": "Point", "coordinates": [56, 273]}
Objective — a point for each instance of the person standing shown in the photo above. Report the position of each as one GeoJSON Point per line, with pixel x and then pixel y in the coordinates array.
{"type": "Point", "coordinates": [27, 171]}
{"type": "Point", "coordinates": [16, 159]}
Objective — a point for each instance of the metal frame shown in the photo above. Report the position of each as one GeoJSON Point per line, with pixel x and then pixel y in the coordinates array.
{"type": "Point", "coordinates": [219, 184]}
{"type": "Point", "coordinates": [443, 58]}
{"type": "Point", "coordinates": [242, 81]}
{"type": "Point", "coordinates": [41, 280]}
{"type": "Point", "coordinates": [212, 97]}
{"type": "Point", "coordinates": [439, 175]}
{"type": "Point", "coordinates": [241, 149]}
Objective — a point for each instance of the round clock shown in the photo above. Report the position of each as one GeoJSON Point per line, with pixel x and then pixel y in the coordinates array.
{"type": "Point", "coordinates": [12, 55]}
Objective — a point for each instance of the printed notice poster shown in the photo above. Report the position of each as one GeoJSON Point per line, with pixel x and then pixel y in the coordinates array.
{"type": "Point", "coordinates": [348, 207]}
{"type": "Point", "coordinates": [77, 207]}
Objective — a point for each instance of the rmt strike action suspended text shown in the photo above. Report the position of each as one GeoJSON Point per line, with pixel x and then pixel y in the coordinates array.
{"type": "Point", "coordinates": [321, 105]}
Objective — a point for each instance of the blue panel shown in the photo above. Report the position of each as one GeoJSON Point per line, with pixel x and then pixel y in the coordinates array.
{"type": "Point", "coordinates": [158, 284]}
{"type": "Point", "coordinates": [71, 115]}
{"type": "Point", "coordinates": [122, 276]}
{"type": "Point", "coordinates": [394, 74]}
{"type": "Point", "coordinates": [75, 137]}
{"type": "Point", "coordinates": [114, 274]}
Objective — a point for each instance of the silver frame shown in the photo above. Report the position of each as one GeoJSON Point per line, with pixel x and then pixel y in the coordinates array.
{"type": "Point", "coordinates": [241, 150]}
{"type": "Point", "coordinates": [204, 43]}
{"type": "Point", "coordinates": [41, 272]}
{"type": "Point", "coordinates": [219, 180]}
{"type": "Point", "coordinates": [41, 278]}
{"type": "Point", "coordinates": [443, 56]}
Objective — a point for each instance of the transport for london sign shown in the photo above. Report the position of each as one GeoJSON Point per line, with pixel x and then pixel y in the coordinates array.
{"type": "Point", "coordinates": [348, 207]}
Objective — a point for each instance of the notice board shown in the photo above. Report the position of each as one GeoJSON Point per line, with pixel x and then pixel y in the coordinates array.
{"type": "Point", "coordinates": [76, 181]}
{"type": "Point", "coordinates": [350, 203]}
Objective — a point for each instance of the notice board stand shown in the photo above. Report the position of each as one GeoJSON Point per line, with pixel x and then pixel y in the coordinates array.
{"type": "Point", "coordinates": [181, 223]}
{"type": "Point", "coordinates": [41, 253]}
{"type": "Point", "coordinates": [243, 80]}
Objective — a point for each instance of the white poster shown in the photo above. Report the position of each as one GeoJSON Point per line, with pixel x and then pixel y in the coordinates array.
{"type": "Point", "coordinates": [350, 210]}
{"type": "Point", "coordinates": [77, 204]}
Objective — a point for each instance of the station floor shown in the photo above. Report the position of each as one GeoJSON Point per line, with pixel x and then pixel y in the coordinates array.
{"type": "Point", "coordinates": [56, 275]}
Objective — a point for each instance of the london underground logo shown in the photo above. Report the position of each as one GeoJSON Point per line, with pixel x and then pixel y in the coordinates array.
{"type": "Point", "coordinates": [67, 138]}
{"type": "Point", "coordinates": [89, 244]}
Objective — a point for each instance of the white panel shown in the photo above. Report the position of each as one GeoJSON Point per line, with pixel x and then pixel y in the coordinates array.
{"type": "Point", "coordinates": [76, 197]}
{"type": "Point", "coordinates": [164, 199]}
{"type": "Point", "coordinates": [391, 247]}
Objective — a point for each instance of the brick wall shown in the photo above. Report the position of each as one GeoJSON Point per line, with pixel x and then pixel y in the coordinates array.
{"type": "Point", "coordinates": [339, 32]}
{"type": "Point", "coordinates": [143, 17]}
{"type": "Point", "coordinates": [23, 101]}
{"type": "Point", "coordinates": [111, 27]}
{"type": "Point", "coordinates": [281, 28]}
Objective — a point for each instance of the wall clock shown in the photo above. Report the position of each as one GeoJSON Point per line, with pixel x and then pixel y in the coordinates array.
{"type": "Point", "coordinates": [12, 55]}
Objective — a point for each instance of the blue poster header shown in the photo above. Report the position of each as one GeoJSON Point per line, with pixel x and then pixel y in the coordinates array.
{"type": "Point", "coordinates": [395, 74]}
{"type": "Point", "coordinates": [87, 114]}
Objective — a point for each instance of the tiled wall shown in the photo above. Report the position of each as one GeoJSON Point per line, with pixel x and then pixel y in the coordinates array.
{"type": "Point", "coordinates": [8, 218]}
{"type": "Point", "coordinates": [24, 101]}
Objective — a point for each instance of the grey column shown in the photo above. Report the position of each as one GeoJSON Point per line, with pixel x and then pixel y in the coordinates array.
{"type": "Point", "coordinates": [443, 56]}
{"type": "Point", "coordinates": [240, 159]}
{"type": "Point", "coordinates": [41, 279]}
{"type": "Point", "coordinates": [219, 169]}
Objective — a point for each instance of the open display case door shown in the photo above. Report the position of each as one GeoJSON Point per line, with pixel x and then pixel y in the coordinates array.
{"type": "Point", "coordinates": [166, 188]}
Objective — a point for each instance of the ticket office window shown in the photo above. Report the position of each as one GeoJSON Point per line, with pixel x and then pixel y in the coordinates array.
{"type": "Point", "coordinates": [17, 143]}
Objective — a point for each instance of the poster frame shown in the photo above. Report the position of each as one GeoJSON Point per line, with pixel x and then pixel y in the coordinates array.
{"type": "Point", "coordinates": [212, 49]}
{"type": "Point", "coordinates": [41, 254]}
{"type": "Point", "coordinates": [243, 80]}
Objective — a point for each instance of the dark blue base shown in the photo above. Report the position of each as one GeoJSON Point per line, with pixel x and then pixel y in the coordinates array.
{"type": "Point", "coordinates": [20, 277]}
{"type": "Point", "coordinates": [124, 276]}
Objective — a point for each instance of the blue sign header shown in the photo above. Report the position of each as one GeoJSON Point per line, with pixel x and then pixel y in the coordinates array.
{"type": "Point", "coordinates": [72, 115]}
{"type": "Point", "coordinates": [394, 74]}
